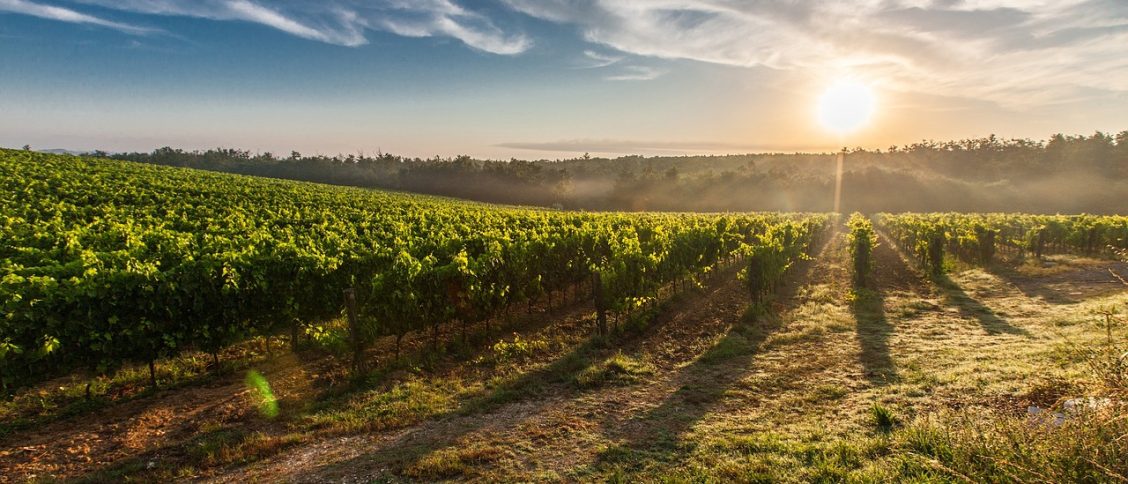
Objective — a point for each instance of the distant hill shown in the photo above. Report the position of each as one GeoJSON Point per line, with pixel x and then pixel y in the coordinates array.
{"type": "Point", "coordinates": [63, 151]}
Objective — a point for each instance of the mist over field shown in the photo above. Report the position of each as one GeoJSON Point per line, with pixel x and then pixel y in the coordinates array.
{"type": "Point", "coordinates": [564, 241]}
{"type": "Point", "coordinates": [1064, 174]}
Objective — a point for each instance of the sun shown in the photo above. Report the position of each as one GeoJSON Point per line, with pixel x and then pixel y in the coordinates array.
{"type": "Point", "coordinates": [846, 106]}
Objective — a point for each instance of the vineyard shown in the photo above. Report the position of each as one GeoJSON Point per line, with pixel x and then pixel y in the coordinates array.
{"type": "Point", "coordinates": [977, 238]}
{"type": "Point", "coordinates": [109, 262]}
{"type": "Point", "coordinates": [470, 341]}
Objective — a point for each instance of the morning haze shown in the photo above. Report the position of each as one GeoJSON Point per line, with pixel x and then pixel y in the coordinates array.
{"type": "Point", "coordinates": [563, 241]}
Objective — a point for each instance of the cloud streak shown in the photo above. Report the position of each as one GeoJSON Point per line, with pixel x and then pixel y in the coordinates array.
{"type": "Point", "coordinates": [337, 22]}
{"type": "Point", "coordinates": [636, 73]}
{"type": "Point", "coordinates": [625, 72]}
{"type": "Point", "coordinates": [68, 15]}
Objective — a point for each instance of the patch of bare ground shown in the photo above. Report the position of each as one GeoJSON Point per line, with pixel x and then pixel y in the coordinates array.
{"type": "Point", "coordinates": [146, 427]}
{"type": "Point", "coordinates": [1065, 279]}
{"type": "Point", "coordinates": [215, 423]}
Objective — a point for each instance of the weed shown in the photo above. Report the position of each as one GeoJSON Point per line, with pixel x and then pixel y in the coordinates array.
{"type": "Point", "coordinates": [518, 349]}
{"type": "Point", "coordinates": [883, 417]}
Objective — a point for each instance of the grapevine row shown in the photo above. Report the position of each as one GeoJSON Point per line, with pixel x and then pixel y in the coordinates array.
{"type": "Point", "coordinates": [977, 238]}
{"type": "Point", "coordinates": [103, 263]}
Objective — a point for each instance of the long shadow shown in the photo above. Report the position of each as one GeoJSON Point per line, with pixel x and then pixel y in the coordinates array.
{"type": "Point", "coordinates": [702, 387]}
{"type": "Point", "coordinates": [890, 272]}
{"type": "Point", "coordinates": [532, 389]}
{"type": "Point", "coordinates": [970, 308]}
{"type": "Point", "coordinates": [954, 295]}
{"type": "Point", "coordinates": [1031, 287]}
{"type": "Point", "coordinates": [703, 384]}
{"type": "Point", "coordinates": [1092, 281]}
{"type": "Point", "coordinates": [416, 353]}
{"type": "Point", "coordinates": [874, 331]}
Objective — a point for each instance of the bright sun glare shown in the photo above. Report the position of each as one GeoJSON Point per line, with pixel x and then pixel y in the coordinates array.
{"type": "Point", "coordinates": [846, 106]}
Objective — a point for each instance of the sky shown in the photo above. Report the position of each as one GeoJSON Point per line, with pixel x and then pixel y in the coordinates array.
{"type": "Point", "coordinates": [535, 79]}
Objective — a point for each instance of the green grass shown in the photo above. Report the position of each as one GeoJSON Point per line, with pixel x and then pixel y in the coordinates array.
{"type": "Point", "coordinates": [402, 405]}
{"type": "Point", "coordinates": [618, 369]}
{"type": "Point", "coordinates": [949, 447]}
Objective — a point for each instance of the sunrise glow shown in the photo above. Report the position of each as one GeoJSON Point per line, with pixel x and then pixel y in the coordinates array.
{"type": "Point", "coordinates": [846, 106]}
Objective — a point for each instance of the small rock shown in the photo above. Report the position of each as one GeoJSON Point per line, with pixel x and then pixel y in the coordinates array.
{"type": "Point", "coordinates": [1075, 405]}
{"type": "Point", "coordinates": [1070, 408]}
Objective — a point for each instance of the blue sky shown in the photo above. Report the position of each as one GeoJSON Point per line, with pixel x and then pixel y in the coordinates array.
{"type": "Point", "coordinates": [549, 78]}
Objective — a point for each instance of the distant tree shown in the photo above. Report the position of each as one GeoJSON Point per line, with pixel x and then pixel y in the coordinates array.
{"type": "Point", "coordinates": [27, 147]}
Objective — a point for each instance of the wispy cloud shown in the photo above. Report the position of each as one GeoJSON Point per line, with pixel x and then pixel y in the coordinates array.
{"type": "Point", "coordinates": [1008, 51]}
{"type": "Point", "coordinates": [595, 60]}
{"type": "Point", "coordinates": [252, 12]}
{"type": "Point", "coordinates": [338, 22]}
{"type": "Point", "coordinates": [635, 73]}
{"type": "Point", "coordinates": [430, 18]}
{"type": "Point", "coordinates": [68, 15]}
{"type": "Point", "coordinates": [624, 71]}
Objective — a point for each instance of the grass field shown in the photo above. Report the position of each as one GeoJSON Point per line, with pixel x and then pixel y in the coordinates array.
{"type": "Point", "coordinates": [910, 379]}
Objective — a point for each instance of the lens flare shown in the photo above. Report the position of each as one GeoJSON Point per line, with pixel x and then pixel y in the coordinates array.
{"type": "Point", "coordinates": [267, 403]}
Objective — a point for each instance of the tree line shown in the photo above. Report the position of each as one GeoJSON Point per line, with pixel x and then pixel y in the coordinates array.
{"type": "Point", "coordinates": [1060, 174]}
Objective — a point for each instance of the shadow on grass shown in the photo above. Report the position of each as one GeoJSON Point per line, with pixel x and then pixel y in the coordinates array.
{"type": "Point", "coordinates": [657, 435]}
{"type": "Point", "coordinates": [874, 330]}
{"type": "Point", "coordinates": [971, 308]}
{"type": "Point", "coordinates": [1031, 287]}
{"type": "Point", "coordinates": [702, 385]}
{"type": "Point", "coordinates": [219, 447]}
{"type": "Point", "coordinates": [1069, 287]}
{"type": "Point", "coordinates": [534, 391]}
